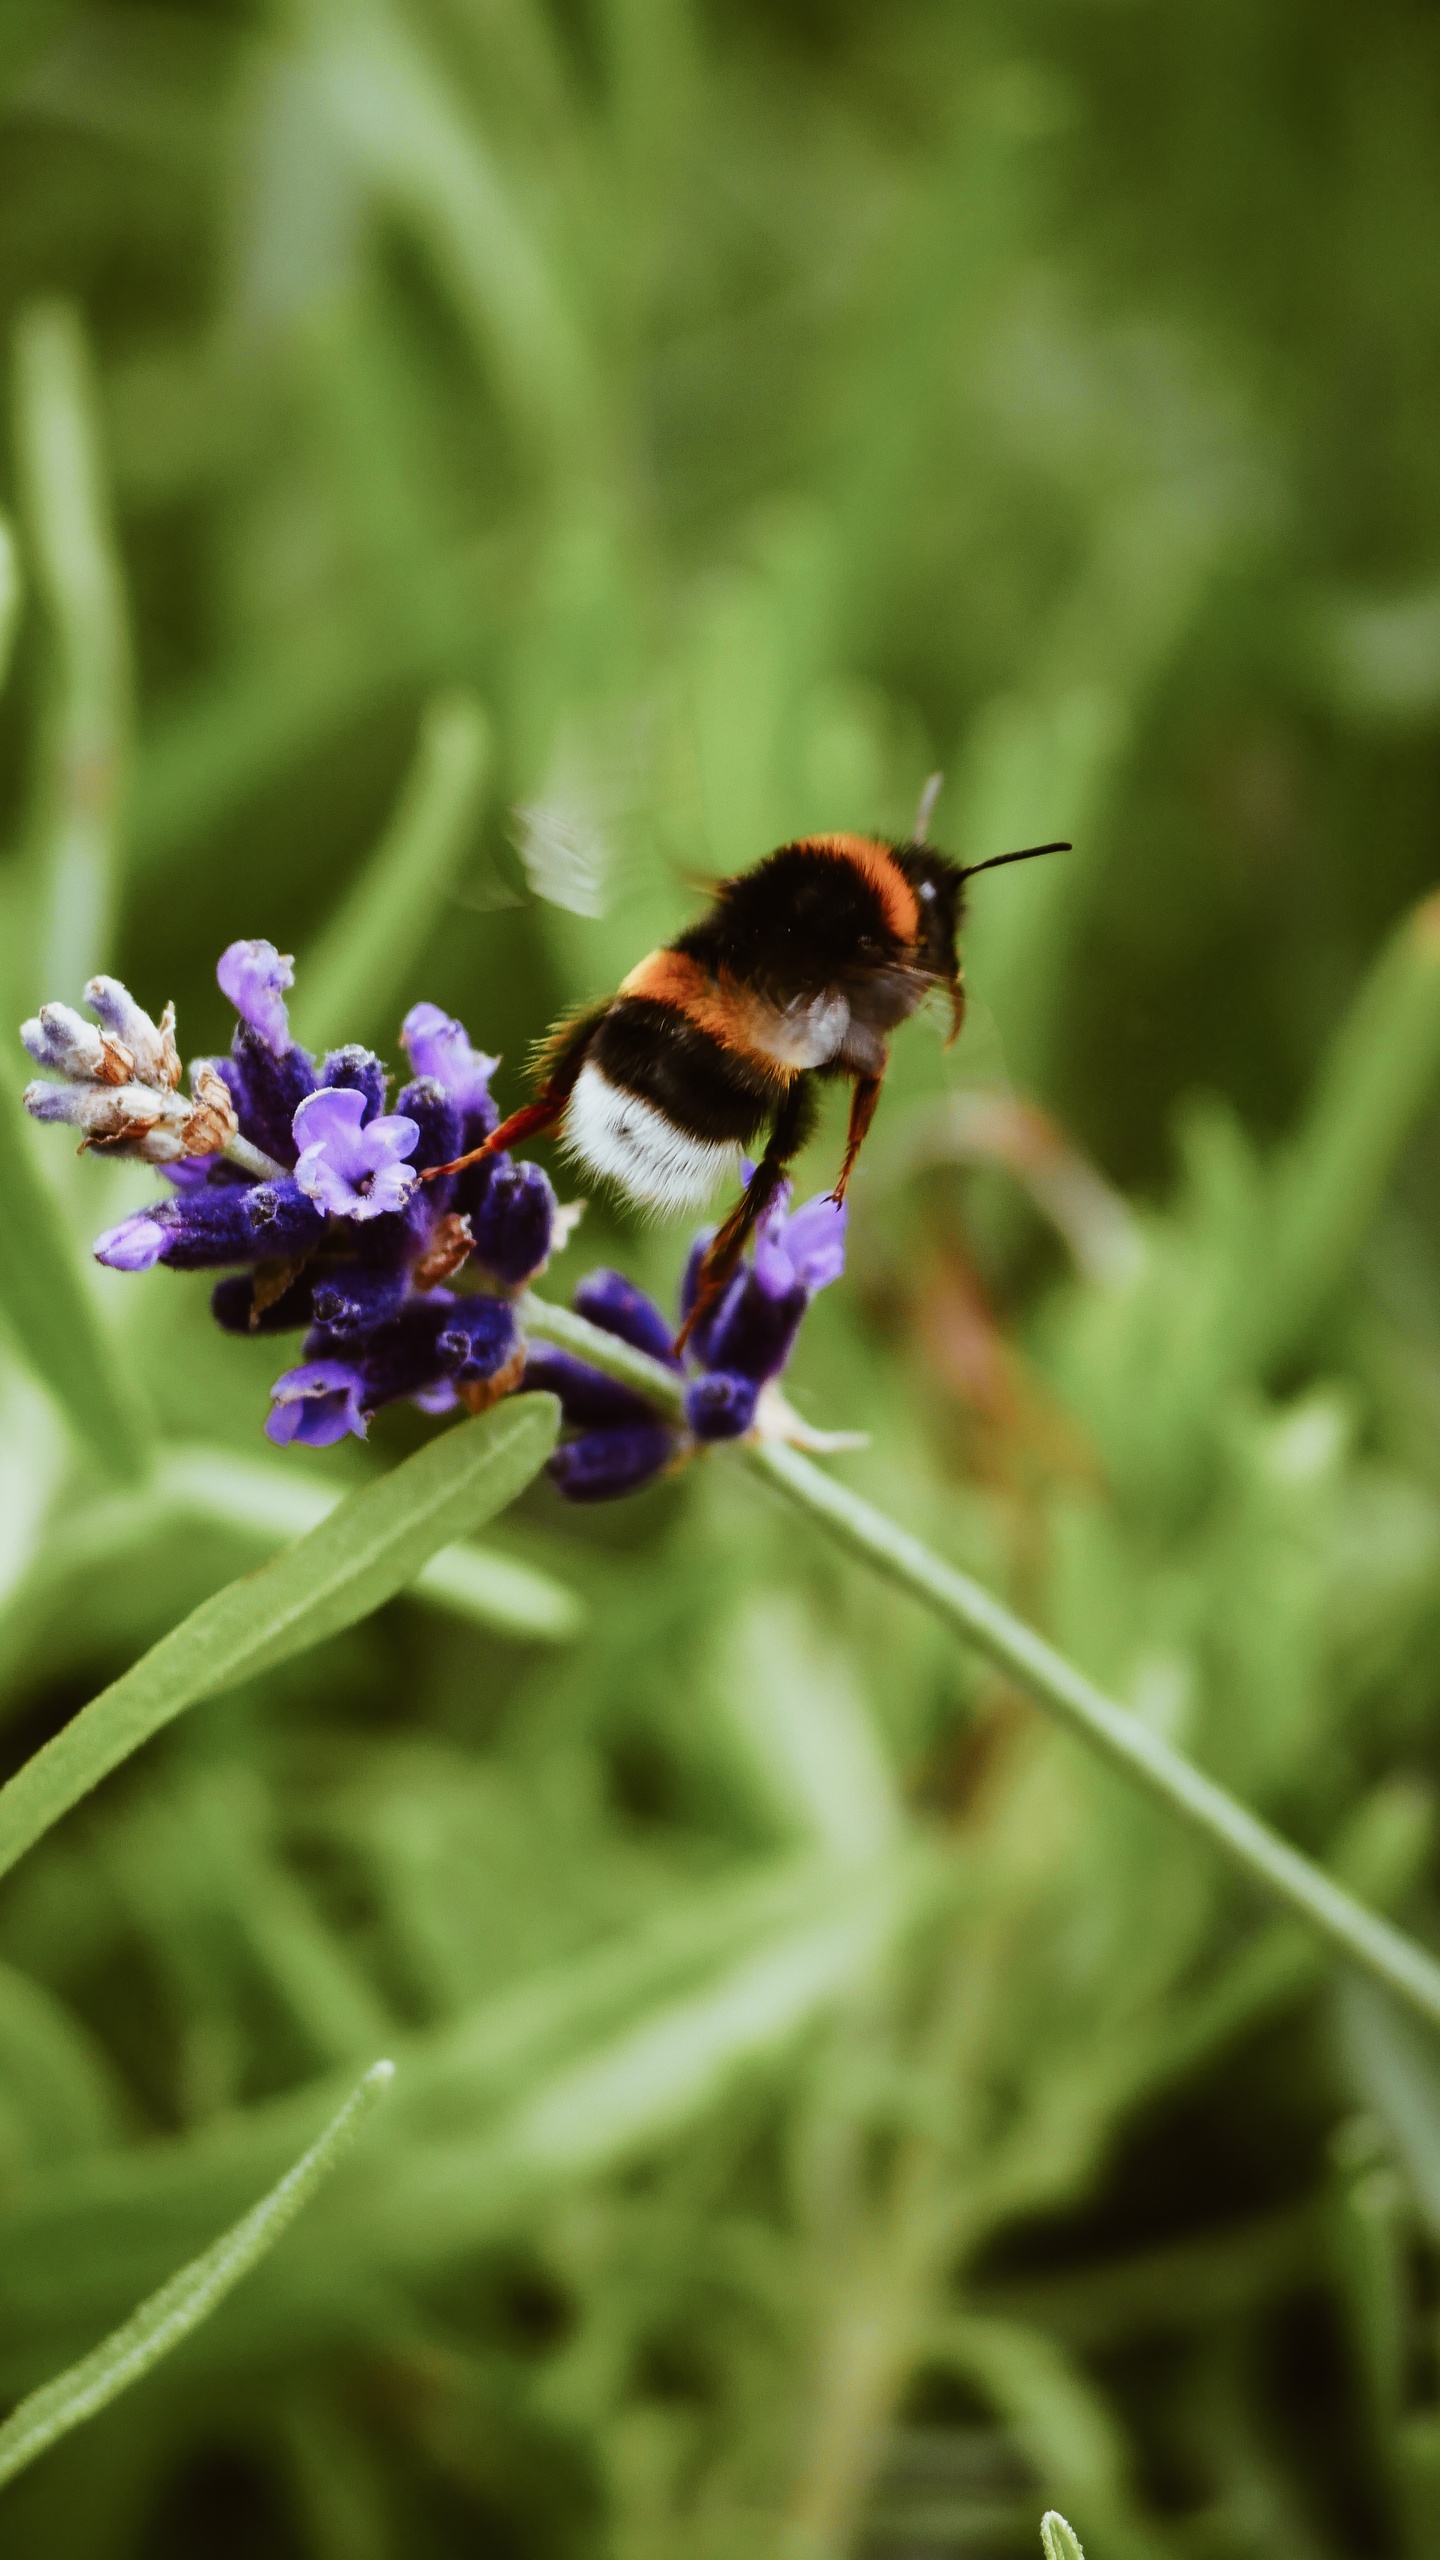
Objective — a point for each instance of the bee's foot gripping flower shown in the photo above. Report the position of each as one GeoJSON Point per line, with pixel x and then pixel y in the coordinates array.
{"type": "Point", "coordinates": [291, 1177]}
{"type": "Point", "coordinates": [618, 1442]}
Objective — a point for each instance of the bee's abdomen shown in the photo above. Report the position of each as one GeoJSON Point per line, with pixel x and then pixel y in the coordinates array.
{"type": "Point", "coordinates": [664, 1108]}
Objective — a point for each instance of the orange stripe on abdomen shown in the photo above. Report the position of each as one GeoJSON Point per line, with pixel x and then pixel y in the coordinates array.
{"type": "Point", "coordinates": [724, 1011]}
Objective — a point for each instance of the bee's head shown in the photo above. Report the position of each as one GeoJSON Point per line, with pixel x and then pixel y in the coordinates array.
{"type": "Point", "coordinates": [939, 885]}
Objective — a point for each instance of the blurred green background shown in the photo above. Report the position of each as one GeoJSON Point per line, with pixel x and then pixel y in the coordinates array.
{"type": "Point", "coordinates": [570, 446]}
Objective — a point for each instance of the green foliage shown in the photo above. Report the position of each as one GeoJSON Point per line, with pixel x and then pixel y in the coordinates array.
{"type": "Point", "coordinates": [475, 468]}
{"type": "Point", "coordinates": [190, 2296]}
{"type": "Point", "coordinates": [370, 1546]}
{"type": "Point", "coordinates": [353, 982]}
{"type": "Point", "coordinates": [52, 1317]}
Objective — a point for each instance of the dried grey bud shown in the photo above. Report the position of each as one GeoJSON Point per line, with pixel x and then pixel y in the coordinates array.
{"type": "Point", "coordinates": [131, 1119]}
{"type": "Point", "coordinates": [212, 1122]}
{"type": "Point", "coordinates": [62, 1039]}
{"type": "Point", "coordinates": [151, 1045]}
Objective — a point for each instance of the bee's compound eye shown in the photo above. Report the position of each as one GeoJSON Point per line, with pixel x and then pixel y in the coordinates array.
{"type": "Point", "coordinates": [927, 888]}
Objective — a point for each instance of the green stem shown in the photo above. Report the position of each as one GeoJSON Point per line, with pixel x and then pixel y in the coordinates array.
{"type": "Point", "coordinates": [1108, 1727]}
{"type": "Point", "coordinates": [253, 1159]}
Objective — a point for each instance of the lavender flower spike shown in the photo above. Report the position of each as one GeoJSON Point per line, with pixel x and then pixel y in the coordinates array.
{"type": "Point", "coordinates": [255, 976]}
{"type": "Point", "coordinates": [352, 1171]}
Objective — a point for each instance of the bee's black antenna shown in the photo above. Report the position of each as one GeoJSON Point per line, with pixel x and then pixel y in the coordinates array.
{"type": "Point", "coordinates": [1027, 853]}
{"type": "Point", "coordinates": [925, 809]}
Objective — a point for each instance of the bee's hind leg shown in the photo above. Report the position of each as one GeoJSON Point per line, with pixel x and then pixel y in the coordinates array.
{"type": "Point", "coordinates": [562, 1058]}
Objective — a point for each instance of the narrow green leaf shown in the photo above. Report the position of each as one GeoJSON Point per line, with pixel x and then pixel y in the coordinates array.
{"type": "Point", "coordinates": [67, 521]}
{"type": "Point", "coordinates": [56, 2079]}
{"type": "Point", "coordinates": [603, 2052]}
{"type": "Point", "coordinates": [1398, 2076]}
{"type": "Point", "coordinates": [272, 1502]}
{"type": "Point", "coordinates": [428, 162]}
{"type": "Point", "coordinates": [1057, 2416]}
{"type": "Point", "coordinates": [371, 1546]}
{"type": "Point", "coordinates": [186, 2300]}
{"type": "Point", "coordinates": [56, 1325]}
{"type": "Point", "coordinates": [1380, 1072]}
{"type": "Point", "coordinates": [11, 594]}
{"type": "Point", "coordinates": [348, 987]}
{"type": "Point", "coordinates": [1059, 2540]}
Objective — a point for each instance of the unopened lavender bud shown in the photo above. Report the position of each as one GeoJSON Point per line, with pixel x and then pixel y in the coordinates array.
{"type": "Point", "coordinates": [479, 1338]}
{"type": "Point", "coordinates": [437, 1117]}
{"type": "Point", "coordinates": [352, 1297]}
{"type": "Point", "coordinates": [753, 1333]}
{"type": "Point", "coordinates": [136, 1244]}
{"type": "Point", "coordinates": [608, 1299]}
{"type": "Point", "coordinates": [721, 1405]}
{"type": "Point", "coordinates": [603, 1465]}
{"type": "Point", "coordinates": [267, 1091]}
{"type": "Point", "coordinates": [512, 1226]}
{"type": "Point", "coordinates": [356, 1070]}
{"type": "Point", "coordinates": [586, 1396]}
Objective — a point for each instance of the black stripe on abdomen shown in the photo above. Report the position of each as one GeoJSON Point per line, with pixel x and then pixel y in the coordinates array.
{"type": "Point", "coordinates": [658, 1053]}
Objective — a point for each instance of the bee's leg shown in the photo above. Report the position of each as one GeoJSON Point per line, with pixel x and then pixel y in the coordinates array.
{"type": "Point", "coordinates": [793, 1123]}
{"type": "Point", "coordinates": [549, 1106]}
{"type": "Point", "coordinates": [862, 1112]}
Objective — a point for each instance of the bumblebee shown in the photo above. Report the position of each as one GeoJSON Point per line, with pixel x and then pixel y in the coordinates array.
{"type": "Point", "coordinates": [800, 969]}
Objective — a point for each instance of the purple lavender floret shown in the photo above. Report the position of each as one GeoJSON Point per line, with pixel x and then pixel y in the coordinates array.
{"type": "Point", "coordinates": [256, 978]}
{"type": "Point", "coordinates": [743, 1341]}
{"type": "Point", "coordinates": [440, 1048]}
{"type": "Point", "coordinates": [478, 1339]}
{"type": "Point", "coordinates": [351, 1167]}
{"type": "Point", "coordinates": [316, 1405]}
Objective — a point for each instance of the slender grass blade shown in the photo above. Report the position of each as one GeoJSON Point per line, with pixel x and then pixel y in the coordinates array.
{"type": "Point", "coordinates": [160, 2324]}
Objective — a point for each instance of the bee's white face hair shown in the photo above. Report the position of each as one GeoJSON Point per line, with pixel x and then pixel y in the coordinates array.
{"type": "Point", "coordinates": [634, 1145]}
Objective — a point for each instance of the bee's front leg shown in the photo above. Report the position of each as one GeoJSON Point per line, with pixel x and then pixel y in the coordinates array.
{"type": "Point", "coordinates": [862, 1112]}
{"type": "Point", "coordinates": [793, 1123]}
